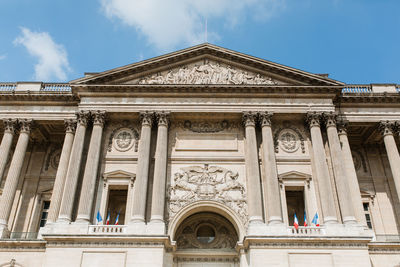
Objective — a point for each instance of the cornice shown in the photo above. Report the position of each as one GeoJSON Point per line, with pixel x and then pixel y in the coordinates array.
{"type": "Point", "coordinates": [42, 98]}
{"type": "Point", "coordinates": [369, 98]}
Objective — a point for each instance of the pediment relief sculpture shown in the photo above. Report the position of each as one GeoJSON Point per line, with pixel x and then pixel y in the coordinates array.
{"type": "Point", "coordinates": [214, 183]}
{"type": "Point", "coordinates": [207, 73]}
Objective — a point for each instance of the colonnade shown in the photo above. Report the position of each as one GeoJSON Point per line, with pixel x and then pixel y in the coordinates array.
{"type": "Point", "coordinates": [67, 176]}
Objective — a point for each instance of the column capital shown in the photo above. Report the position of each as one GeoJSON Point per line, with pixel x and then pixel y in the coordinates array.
{"type": "Point", "coordinates": [265, 118]}
{"type": "Point", "coordinates": [99, 117]}
{"type": "Point", "coordinates": [330, 119]}
{"type": "Point", "coordinates": [10, 125]}
{"type": "Point", "coordinates": [146, 118]}
{"type": "Point", "coordinates": [82, 117]}
{"type": "Point", "coordinates": [386, 127]}
{"type": "Point", "coordinates": [342, 126]}
{"type": "Point", "coordinates": [313, 119]}
{"type": "Point", "coordinates": [249, 118]}
{"type": "Point", "coordinates": [25, 125]}
{"type": "Point", "coordinates": [162, 118]}
{"type": "Point", "coordinates": [70, 125]}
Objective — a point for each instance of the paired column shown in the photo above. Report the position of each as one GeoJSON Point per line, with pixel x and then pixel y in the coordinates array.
{"type": "Point", "coordinates": [160, 168]}
{"type": "Point", "coordinates": [272, 199]}
{"type": "Point", "coordinates": [6, 142]}
{"type": "Point", "coordinates": [321, 169]}
{"type": "Point", "coordinates": [252, 169]}
{"type": "Point", "coordinates": [345, 199]}
{"type": "Point", "coordinates": [92, 166]}
{"type": "Point", "coordinates": [10, 187]}
{"type": "Point", "coordinates": [351, 174]}
{"type": "Point", "coordinates": [70, 126]}
{"type": "Point", "coordinates": [142, 172]}
{"type": "Point", "coordinates": [387, 129]}
{"type": "Point", "coordinates": [74, 164]}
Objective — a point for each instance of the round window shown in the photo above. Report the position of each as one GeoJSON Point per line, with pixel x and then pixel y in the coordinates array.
{"type": "Point", "coordinates": [205, 234]}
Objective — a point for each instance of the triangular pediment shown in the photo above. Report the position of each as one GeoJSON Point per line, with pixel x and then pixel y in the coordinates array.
{"type": "Point", "coordinates": [294, 175]}
{"type": "Point", "coordinates": [206, 64]}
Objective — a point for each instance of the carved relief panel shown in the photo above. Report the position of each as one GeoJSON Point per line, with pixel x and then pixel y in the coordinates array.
{"type": "Point", "coordinates": [215, 183]}
{"type": "Point", "coordinates": [123, 138]}
{"type": "Point", "coordinates": [290, 140]}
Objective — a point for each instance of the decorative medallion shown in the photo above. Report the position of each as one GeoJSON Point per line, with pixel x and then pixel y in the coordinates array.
{"type": "Point", "coordinates": [288, 140]}
{"type": "Point", "coordinates": [124, 139]}
{"type": "Point", "coordinates": [215, 183]}
{"type": "Point", "coordinates": [206, 231]}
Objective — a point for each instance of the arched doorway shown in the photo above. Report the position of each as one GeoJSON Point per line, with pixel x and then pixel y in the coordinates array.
{"type": "Point", "coordinates": [206, 239]}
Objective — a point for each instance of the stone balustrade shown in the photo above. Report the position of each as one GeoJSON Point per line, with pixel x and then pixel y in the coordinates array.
{"type": "Point", "coordinates": [306, 231]}
{"type": "Point", "coordinates": [106, 229]}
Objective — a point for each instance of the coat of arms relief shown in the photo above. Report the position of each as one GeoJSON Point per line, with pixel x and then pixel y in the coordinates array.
{"type": "Point", "coordinates": [207, 72]}
{"type": "Point", "coordinates": [214, 183]}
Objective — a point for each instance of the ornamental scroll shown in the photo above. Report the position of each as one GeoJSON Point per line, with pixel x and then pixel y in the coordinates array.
{"type": "Point", "coordinates": [207, 73]}
{"type": "Point", "coordinates": [214, 183]}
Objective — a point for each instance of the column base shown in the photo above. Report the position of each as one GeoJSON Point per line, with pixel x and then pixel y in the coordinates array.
{"type": "Point", "coordinates": [156, 227]}
{"type": "Point", "coordinates": [136, 227]}
{"type": "Point", "coordinates": [256, 228]}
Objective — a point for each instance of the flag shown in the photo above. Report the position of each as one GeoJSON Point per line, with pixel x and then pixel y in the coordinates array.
{"type": "Point", "coordinates": [98, 218]}
{"type": "Point", "coordinates": [315, 220]}
{"type": "Point", "coordinates": [305, 218]}
{"type": "Point", "coordinates": [116, 220]}
{"type": "Point", "coordinates": [296, 222]}
{"type": "Point", "coordinates": [108, 219]}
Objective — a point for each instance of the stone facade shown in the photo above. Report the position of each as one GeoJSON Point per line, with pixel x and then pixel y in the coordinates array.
{"type": "Point", "coordinates": [201, 157]}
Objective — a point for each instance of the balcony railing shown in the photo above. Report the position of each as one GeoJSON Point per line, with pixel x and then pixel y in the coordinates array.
{"type": "Point", "coordinates": [56, 87]}
{"type": "Point", "coordinates": [107, 229]}
{"type": "Point", "coordinates": [306, 231]}
{"type": "Point", "coordinates": [23, 235]}
{"type": "Point", "coordinates": [357, 88]}
{"type": "Point", "coordinates": [7, 86]}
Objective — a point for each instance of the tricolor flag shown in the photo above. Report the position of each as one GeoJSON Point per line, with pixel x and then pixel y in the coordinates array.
{"type": "Point", "coordinates": [296, 222]}
{"type": "Point", "coordinates": [116, 220]}
{"type": "Point", "coordinates": [98, 218]}
{"type": "Point", "coordinates": [305, 218]}
{"type": "Point", "coordinates": [108, 219]}
{"type": "Point", "coordinates": [315, 220]}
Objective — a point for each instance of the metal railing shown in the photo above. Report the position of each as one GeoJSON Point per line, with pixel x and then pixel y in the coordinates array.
{"type": "Point", "coordinates": [106, 229]}
{"type": "Point", "coordinates": [23, 235]}
{"type": "Point", "coordinates": [306, 231]}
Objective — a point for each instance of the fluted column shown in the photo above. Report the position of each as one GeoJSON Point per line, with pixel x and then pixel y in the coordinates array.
{"type": "Point", "coordinates": [142, 172]}
{"type": "Point", "coordinates": [272, 199]}
{"type": "Point", "coordinates": [342, 185]}
{"type": "Point", "coordinates": [6, 142]}
{"type": "Point", "coordinates": [160, 168]}
{"type": "Point", "coordinates": [92, 165]}
{"type": "Point", "coordinates": [351, 174]}
{"type": "Point", "coordinates": [10, 187]}
{"type": "Point", "coordinates": [321, 169]}
{"type": "Point", "coordinates": [56, 196]}
{"type": "Point", "coordinates": [71, 183]}
{"type": "Point", "coordinates": [252, 169]}
{"type": "Point", "coordinates": [387, 129]}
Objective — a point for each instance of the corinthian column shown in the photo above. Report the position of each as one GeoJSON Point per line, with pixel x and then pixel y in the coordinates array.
{"type": "Point", "coordinates": [74, 165]}
{"type": "Point", "coordinates": [321, 169]}
{"type": "Point", "coordinates": [10, 187]}
{"type": "Point", "coordinates": [160, 169]}
{"type": "Point", "coordinates": [272, 199]}
{"type": "Point", "coordinates": [9, 130]}
{"type": "Point", "coordinates": [252, 169]}
{"type": "Point", "coordinates": [70, 126]}
{"type": "Point", "coordinates": [92, 165]}
{"type": "Point", "coordinates": [142, 172]}
{"type": "Point", "coordinates": [342, 185]}
{"type": "Point", "coordinates": [387, 129]}
{"type": "Point", "coordinates": [351, 174]}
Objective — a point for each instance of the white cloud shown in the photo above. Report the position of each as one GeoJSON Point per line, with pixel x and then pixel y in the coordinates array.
{"type": "Point", "coordinates": [166, 23]}
{"type": "Point", "coordinates": [52, 57]}
{"type": "Point", "coordinates": [3, 56]}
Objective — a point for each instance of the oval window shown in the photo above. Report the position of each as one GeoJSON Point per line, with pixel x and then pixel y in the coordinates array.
{"type": "Point", "coordinates": [205, 234]}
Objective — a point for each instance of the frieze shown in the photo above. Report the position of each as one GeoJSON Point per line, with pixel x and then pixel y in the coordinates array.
{"type": "Point", "coordinates": [207, 73]}
{"type": "Point", "coordinates": [215, 183]}
{"type": "Point", "coordinates": [207, 126]}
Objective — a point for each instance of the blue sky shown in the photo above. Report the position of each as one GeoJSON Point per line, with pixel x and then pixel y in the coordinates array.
{"type": "Point", "coordinates": [355, 41]}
